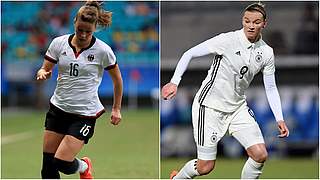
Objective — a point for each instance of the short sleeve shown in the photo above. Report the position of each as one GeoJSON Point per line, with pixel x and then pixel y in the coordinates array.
{"type": "Point", "coordinates": [109, 60]}
{"type": "Point", "coordinates": [269, 67]}
{"type": "Point", "coordinates": [52, 53]}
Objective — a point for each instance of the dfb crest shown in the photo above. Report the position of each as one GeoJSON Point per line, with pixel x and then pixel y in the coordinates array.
{"type": "Point", "coordinates": [258, 57]}
{"type": "Point", "coordinates": [90, 57]}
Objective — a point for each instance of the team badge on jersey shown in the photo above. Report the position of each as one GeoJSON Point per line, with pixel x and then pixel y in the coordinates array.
{"type": "Point", "coordinates": [258, 57]}
{"type": "Point", "coordinates": [90, 57]}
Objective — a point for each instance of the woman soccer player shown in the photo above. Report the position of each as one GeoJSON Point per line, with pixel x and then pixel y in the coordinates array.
{"type": "Point", "coordinates": [220, 104]}
{"type": "Point", "coordinates": [75, 105]}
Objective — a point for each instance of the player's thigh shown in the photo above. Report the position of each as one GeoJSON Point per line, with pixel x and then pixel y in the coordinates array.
{"type": "Point", "coordinates": [79, 132]}
{"type": "Point", "coordinates": [51, 141]}
{"type": "Point", "coordinates": [56, 120]}
{"type": "Point", "coordinates": [69, 148]}
{"type": "Point", "coordinates": [245, 129]}
{"type": "Point", "coordinates": [55, 129]}
{"type": "Point", "coordinates": [208, 129]}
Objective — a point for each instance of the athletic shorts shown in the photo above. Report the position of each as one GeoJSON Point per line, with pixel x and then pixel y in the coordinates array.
{"type": "Point", "coordinates": [61, 122]}
{"type": "Point", "coordinates": [210, 125]}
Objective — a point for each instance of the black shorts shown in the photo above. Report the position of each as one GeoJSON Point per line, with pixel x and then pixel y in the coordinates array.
{"type": "Point", "coordinates": [80, 127]}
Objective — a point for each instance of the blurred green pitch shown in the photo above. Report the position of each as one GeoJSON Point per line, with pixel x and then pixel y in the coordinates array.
{"type": "Point", "coordinates": [130, 150]}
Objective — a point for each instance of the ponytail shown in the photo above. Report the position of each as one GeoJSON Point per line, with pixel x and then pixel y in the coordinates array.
{"type": "Point", "coordinates": [92, 12]}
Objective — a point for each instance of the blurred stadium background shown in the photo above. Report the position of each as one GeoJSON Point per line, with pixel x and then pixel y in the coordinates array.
{"type": "Point", "coordinates": [27, 28]}
{"type": "Point", "coordinates": [293, 32]}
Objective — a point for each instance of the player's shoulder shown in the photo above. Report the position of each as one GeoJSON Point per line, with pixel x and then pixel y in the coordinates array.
{"type": "Point", "coordinates": [266, 48]}
{"type": "Point", "coordinates": [103, 46]}
{"type": "Point", "coordinates": [227, 35]}
{"type": "Point", "coordinates": [62, 38]}
{"type": "Point", "coordinates": [224, 38]}
{"type": "Point", "coordinates": [59, 42]}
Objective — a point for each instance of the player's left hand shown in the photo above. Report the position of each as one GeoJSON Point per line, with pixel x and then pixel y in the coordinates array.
{"type": "Point", "coordinates": [284, 131]}
{"type": "Point", "coordinates": [115, 116]}
{"type": "Point", "coordinates": [169, 91]}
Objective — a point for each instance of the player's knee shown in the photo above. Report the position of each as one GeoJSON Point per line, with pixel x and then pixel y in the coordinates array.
{"type": "Point", "coordinates": [66, 167]}
{"type": "Point", "coordinates": [205, 167]}
{"type": "Point", "coordinates": [260, 156]}
{"type": "Point", "coordinates": [263, 157]}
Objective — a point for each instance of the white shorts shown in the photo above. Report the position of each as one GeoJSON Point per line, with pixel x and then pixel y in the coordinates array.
{"type": "Point", "coordinates": [210, 125]}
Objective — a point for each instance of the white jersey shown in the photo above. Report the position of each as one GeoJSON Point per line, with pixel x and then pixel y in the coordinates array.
{"type": "Point", "coordinates": [236, 61]}
{"type": "Point", "coordinates": [235, 64]}
{"type": "Point", "coordinates": [79, 75]}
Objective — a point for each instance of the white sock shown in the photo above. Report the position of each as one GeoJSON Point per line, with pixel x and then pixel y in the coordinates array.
{"type": "Point", "coordinates": [188, 171]}
{"type": "Point", "coordinates": [251, 169]}
{"type": "Point", "coordinates": [83, 166]}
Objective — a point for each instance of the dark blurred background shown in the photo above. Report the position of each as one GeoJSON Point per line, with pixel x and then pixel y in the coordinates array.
{"type": "Point", "coordinates": [292, 31]}
{"type": "Point", "coordinates": [29, 27]}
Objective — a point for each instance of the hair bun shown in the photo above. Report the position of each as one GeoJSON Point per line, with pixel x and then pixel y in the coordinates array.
{"type": "Point", "coordinates": [93, 3]}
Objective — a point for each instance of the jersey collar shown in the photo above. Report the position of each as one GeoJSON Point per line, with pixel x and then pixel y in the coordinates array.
{"type": "Point", "coordinates": [245, 42]}
{"type": "Point", "coordinates": [93, 40]}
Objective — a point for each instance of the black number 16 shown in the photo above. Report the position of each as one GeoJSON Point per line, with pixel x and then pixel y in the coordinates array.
{"type": "Point", "coordinates": [73, 69]}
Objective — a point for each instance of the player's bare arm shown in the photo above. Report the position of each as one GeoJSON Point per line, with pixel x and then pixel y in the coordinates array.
{"type": "Point", "coordinates": [45, 71]}
{"type": "Point", "coordinates": [169, 91]}
{"type": "Point", "coordinates": [117, 96]}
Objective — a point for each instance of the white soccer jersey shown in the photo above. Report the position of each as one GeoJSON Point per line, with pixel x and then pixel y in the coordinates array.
{"type": "Point", "coordinates": [79, 75]}
{"type": "Point", "coordinates": [235, 64]}
{"type": "Point", "coordinates": [236, 61]}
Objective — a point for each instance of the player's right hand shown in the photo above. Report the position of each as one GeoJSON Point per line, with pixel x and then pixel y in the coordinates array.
{"type": "Point", "coordinates": [169, 91]}
{"type": "Point", "coordinates": [43, 75]}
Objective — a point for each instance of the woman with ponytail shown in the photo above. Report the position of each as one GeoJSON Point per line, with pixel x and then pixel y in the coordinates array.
{"type": "Point", "coordinates": [75, 105]}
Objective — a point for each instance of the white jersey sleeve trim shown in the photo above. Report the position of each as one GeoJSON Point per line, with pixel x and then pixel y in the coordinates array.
{"type": "Point", "coordinates": [273, 96]}
{"type": "Point", "coordinates": [197, 51]}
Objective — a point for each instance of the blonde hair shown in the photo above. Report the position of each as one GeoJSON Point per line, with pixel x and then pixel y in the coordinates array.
{"type": "Point", "coordinates": [92, 12]}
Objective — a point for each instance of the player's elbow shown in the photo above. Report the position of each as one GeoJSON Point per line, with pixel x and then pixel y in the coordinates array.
{"type": "Point", "coordinates": [187, 55]}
